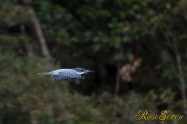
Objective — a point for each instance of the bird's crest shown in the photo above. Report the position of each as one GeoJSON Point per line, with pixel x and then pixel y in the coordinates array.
{"type": "Point", "coordinates": [79, 69]}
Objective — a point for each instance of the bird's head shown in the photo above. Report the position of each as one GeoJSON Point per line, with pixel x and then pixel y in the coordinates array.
{"type": "Point", "coordinates": [82, 70]}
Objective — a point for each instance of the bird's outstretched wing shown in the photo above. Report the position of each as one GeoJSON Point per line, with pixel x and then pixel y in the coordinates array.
{"type": "Point", "coordinates": [67, 75]}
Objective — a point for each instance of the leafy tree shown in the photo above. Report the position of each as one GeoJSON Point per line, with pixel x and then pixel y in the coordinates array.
{"type": "Point", "coordinates": [137, 48]}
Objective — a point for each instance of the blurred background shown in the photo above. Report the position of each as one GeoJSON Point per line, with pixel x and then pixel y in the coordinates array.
{"type": "Point", "coordinates": [137, 49]}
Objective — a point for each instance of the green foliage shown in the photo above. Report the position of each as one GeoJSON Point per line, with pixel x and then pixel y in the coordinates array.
{"type": "Point", "coordinates": [110, 32]}
{"type": "Point", "coordinates": [12, 14]}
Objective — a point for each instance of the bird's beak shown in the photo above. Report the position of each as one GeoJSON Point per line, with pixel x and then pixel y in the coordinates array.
{"type": "Point", "coordinates": [88, 71]}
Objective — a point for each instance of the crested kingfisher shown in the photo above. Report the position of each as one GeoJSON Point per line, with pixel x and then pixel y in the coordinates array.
{"type": "Point", "coordinates": [63, 74]}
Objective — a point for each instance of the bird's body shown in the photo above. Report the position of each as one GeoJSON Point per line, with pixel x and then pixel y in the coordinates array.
{"type": "Point", "coordinates": [63, 74]}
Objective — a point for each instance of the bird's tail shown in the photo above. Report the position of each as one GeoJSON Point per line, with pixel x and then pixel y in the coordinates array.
{"type": "Point", "coordinates": [44, 73]}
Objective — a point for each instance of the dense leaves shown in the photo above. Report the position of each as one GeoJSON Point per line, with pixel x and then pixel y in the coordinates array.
{"type": "Point", "coordinates": [137, 41]}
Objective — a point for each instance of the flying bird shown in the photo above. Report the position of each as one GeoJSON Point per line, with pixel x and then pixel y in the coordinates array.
{"type": "Point", "coordinates": [64, 74]}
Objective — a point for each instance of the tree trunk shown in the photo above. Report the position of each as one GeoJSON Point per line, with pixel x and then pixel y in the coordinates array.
{"type": "Point", "coordinates": [117, 86]}
{"type": "Point", "coordinates": [28, 46]}
{"type": "Point", "coordinates": [37, 28]}
{"type": "Point", "coordinates": [181, 76]}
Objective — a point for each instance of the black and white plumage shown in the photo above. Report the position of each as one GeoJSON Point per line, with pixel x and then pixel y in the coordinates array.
{"type": "Point", "coordinates": [63, 74]}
